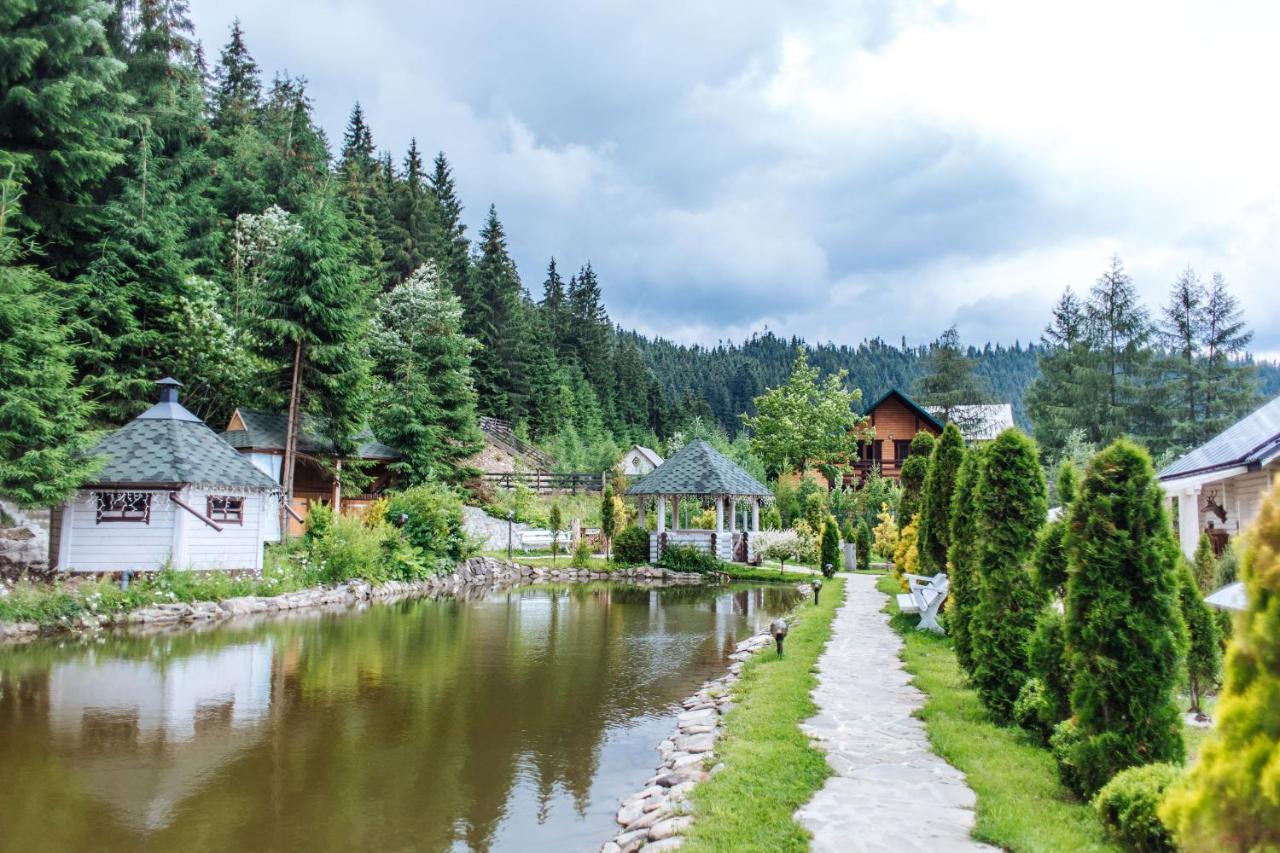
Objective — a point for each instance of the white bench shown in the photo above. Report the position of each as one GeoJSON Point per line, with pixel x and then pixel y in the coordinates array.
{"type": "Point", "coordinates": [531, 540]}
{"type": "Point", "coordinates": [925, 597]}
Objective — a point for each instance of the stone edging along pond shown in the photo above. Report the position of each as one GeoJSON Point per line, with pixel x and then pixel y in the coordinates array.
{"type": "Point", "coordinates": [474, 573]}
{"type": "Point", "coordinates": [655, 817]}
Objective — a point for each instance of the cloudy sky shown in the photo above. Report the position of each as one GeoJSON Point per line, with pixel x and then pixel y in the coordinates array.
{"type": "Point", "coordinates": [835, 170]}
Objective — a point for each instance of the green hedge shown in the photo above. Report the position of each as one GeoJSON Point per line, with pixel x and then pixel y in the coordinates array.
{"type": "Point", "coordinates": [1127, 807]}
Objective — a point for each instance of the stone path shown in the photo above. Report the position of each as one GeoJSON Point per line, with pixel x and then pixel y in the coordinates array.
{"type": "Point", "coordinates": [890, 792]}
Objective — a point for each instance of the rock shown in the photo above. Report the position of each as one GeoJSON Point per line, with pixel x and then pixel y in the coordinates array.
{"type": "Point", "coordinates": [629, 814]}
{"type": "Point", "coordinates": [631, 840]}
{"type": "Point", "coordinates": [648, 819]}
{"type": "Point", "coordinates": [665, 844]}
{"type": "Point", "coordinates": [696, 743]}
{"type": "Point", "coordinates": [696, 729]}
{"type": "Point", "coordinates": [716, 769]}
{"type": "Point", "coordinates": [702, 716]}
{"type": "Point", "coordinates": [669, 828]}
{"type": "Point", "coordinates": [610, 847]}
{"type": "Point", "coordinates": [679, 792]}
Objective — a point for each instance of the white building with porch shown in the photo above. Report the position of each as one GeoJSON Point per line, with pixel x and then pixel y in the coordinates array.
{"type": "Point", "coordinates": [1217, 488]}
{"type": "Point", "coordinates": [700, 473]}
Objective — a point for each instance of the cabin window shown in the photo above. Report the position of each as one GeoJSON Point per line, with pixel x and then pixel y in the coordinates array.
{"type": "Point", "coordinates": [124, 506]}
{"type": "Point", "coordinates": [872, 451]}
{"type": "Point", "coordinates": [228, 509]}
{"type": "Point", "coordinates": [901, 448]}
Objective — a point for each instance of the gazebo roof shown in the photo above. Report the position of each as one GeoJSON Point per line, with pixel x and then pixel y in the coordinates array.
{"type": "Point", "coordinates": [699, 469]}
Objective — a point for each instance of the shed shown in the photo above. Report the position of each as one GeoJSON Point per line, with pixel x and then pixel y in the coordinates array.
{"type": "Point", "coordinates": [699, 471]}
{"type": "Point", "coordinates": [169, 493]}
{"type": "Point", "coordinates": [639, 460]}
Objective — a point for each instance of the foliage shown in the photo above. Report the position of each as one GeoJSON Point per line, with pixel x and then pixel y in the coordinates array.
{"type": "Point", "coordinates": [805, 421]}
{"type": "Point", "coordinates": [1124, 637]}
{"type": "Point", "coordinates": [434, 524]}
{"type": "Point", "coordinates": [631, 546]}
{"type": "Point", "coordinates": [686, 558]}
{"type": "Point", "coordinates": [815, 510]}
{"type": "Point", "coordinates": [964, 592]}
{"type": "Point", "coordinates": [608, 518]}
{"type": "Point", "coordinates": [862, 539]}
{"type": "Point", "coordinates": [347, 549]}
{"type": "Point", "coordinates": [1034, 711]}
{"type": "Point", "coordinates": [1205, 566]}
{"type": "Point", "coordinates": [1050, 561]}
{"type": "Point", "coordinates": [906, 556]}
{"type": "Point", "coordinates": [1011, 506]}
{"type": "Point", "coordinates": [779, 545]}
{"type": "Point", "coordinates": [1127, 807]}
{"type": "Point", "coordinates": [1047, 658]}
{"type": "Point", "coordinates": [829, 556]}
{"type": "Point", "coordinates": [914, 472]}
{"type": "Point", "coordinates": [807, 542]}
{"type": "Point", "coordinates": [555, 523]}
{"type": "Point", "coordinates": [1229, 800]}
{"type": "Point", "coordinates": [581, 554]}
{"type": "Point", "coordinates": [935, 505]}
{"type": "Point", "coordinates": [1204, 646]}
{"type": "Point", "coordinates": [951, 386]}
{"type": "Point", "coordinates": [886, 533]}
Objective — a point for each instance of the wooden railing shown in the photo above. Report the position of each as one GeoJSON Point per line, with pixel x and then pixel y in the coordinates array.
{"type": "Point", "coordinates": [544, 482]}
{"type": "Point", "coordinates": [500, 431]}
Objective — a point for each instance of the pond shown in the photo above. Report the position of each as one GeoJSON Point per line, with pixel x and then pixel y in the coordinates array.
{"type": "Point", "coordinates": [512, 720]}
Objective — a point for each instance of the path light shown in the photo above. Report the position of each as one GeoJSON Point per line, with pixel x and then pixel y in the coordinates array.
{"type": "Point", "coordinates": [511, 517]}
{"type": "Point", "coordinates": [778, 628]}
{"type": "Point", "coordinates": [402, 519]}
{"type": "Point", "coordinates": [817, 588]}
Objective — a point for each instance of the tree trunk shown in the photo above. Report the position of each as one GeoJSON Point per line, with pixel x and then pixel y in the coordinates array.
{"type": "Point", "coordinates": [291, 439]}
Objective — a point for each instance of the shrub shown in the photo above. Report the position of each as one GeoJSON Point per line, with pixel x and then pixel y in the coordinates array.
{"type": "Point", "coordinates": [830, 554]}
{"type": "Point", "coordinates": [1123, 632]}
{"type": "Point", "coordinates": [347, 550]}
{"type": "Point", "coordinates": [935, 505]}
{"type": "Point", "coordinates": [1204, 649]}
{"type": "Point", "coordinates": [686, 558]}
{"type": "Point", "coordinates": [581, 554]}
{"type": "Point", "coordinates": [1051, 559]}
{"type": "Point", "coordinates": [1062, 743]}
{"type": "Point", "coordinates": [631, 546]}
{"type": "Point", "coordinates": [1033, 711]}
{"type": "Point", "coordinates": [1128, 804]}
{"type": "Point", "coordinates": [608, 518]}
{"type": "Point", "coordinates": [1206, 565]}
{"type": "Point", "coordinates": [862, 539]}
{"type": "Point", "coordinates": [912, 476]}
{"type": "Point", "coordinates": [963, 596]}
{"type": "Point", "coordinates": [433, 524]}
{"type": "Point", "coordinates": [806, 542]}
{"type": "Point", "coordinates": [886, 532]}
{"type": "Point", "coordinates": [1231, 798]}
{"type": "Point", "coordinates": [780, 545]}
{"type": "Point", "coordinates": [1011, 505]}
{"type": "Point", "coordinates": [815, 509]}
{"type": "Point", "coordinates": [906, 557]}
{"type": "Point", "coordinates": [1047, 657]}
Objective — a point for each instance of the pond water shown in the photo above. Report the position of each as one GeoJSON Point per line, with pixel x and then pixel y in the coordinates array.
{"type": "Point", "coordinates": [512, 720]}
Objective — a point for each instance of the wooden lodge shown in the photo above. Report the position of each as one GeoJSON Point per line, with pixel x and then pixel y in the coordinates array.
{"type": "Point", "coordinates": [896, 419]}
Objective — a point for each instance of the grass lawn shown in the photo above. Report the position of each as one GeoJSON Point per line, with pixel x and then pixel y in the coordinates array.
{"type": "Point", "coordinates": [770, 768]}
{"type": "Point", "coordinates": [1021, 804]}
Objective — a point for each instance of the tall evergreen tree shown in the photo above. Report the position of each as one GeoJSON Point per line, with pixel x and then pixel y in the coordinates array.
{"type": "Point", "coordinates": [237, 92]}
{"type": "Point", "coordinates": [1119, 331]}
{"type": "Point", "coordinates": [962, 558]}
{"type": "Point", "coordinates": [1181, 332]}
{"type": "Point", "coordinates": [1204, 639]}
{"type": "Point", "coordinates": [555, 309]}
{"type": "Point", "coordinates": [495, 323]}
{"type": "Point", "coordinates": [451, 248]}
{"type": "Point", "coordinates": [949, 384]}
{"type": "Point", "coordinates": [935, 506]}
{"type": "Point", "coordinates": [413, 213]}
{"type": "Point", "coordinates": [1230, 383]}
{"type": "Point", "coordinates": [912, 477]}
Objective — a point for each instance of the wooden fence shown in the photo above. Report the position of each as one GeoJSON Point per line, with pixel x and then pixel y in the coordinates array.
{"type": "Point", "coordinates": [543, 482]}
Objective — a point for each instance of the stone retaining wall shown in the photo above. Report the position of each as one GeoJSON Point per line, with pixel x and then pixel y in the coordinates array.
{"type": "Point", "coordinates": [475, 576]}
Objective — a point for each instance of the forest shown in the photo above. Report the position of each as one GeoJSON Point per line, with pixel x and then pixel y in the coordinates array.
{"type": "Point", "coordinates": [165, 212]}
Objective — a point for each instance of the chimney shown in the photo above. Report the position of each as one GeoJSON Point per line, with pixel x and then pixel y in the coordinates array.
{"type": "Point", "coordinates": [169, 389]}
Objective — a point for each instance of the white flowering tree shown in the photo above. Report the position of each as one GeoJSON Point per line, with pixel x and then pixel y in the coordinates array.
{"type": "Point", "coordinates": [780, 545]}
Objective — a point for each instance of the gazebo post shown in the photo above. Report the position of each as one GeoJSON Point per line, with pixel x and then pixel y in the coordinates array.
{"type": "Point", "coordinates": [755, 516]}
{"type": "Point", "coordinates": [733, 515]}
{"type": "Point", "coordinates": [662, 514]}
{"type": "Point", "coordinates": [675, 512]}
{"type": "Point", "coordinates": [720, 514]}
{"type": "Point", "coordinates": [640, 507]}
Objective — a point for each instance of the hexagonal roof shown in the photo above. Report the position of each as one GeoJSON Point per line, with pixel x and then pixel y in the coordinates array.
{"type": "Point", "coordinates": [699, 469]}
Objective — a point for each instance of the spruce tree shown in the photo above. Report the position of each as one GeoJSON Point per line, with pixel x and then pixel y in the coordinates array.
{"type": "Point", "coordinates": [554, 309]}
{"type": "Point", "coordinates": [1181, 332]}
{"type": "Point", "coordinates": [1123, 632]}
{"type": "Point", "coordinates": [496, 323]}
{"type": "Point", "coordinates": [1230, 383]}
{"type": "Point", "coordinates": [935, 507]}
{"type": "Point", "coordinates": [451, 248]}
{"type": "Point", "coordinates": [424, 395]}
{"type": "Point", "coordinates": [62, 111]}
{"type": "Point", "coordinates": [829, 552]}
{"type": "Point", "coordinates": [912, 477]}
{"type": "Point", "coordinates": [1228, 799]}
{"type": "Point", "coordinates": [1204, 639]}
{"type": "Point", "coordinates": [1067, 395]}
{"type": "Point", "coordinates": [962, 558]}
{"type": "Point", "coordinates": [863, 542]}
{"type": "Point", "coordinates": [414, 215]}
{"type": "Point", "coordinates": [1011, 507]}
{"type": "Point", "coordinates": [237, 91]}
{"type": "Point", "coordinates": [949, 384]}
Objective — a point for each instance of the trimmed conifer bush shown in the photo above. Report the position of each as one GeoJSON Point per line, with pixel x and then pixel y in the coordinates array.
{"type": "Point", "coordinates": [1127, 807]}
{"type": "Point", "coordinates": [1032, 710]}
{"type": "Point", "coordinates": [863, 542]}
{"type": "Point", "coordinates": [913, 474]}
{"type": "Point", "coordinates": [1206, 565]}
{"type": "Point", "coordinates": [963, 597]}
{"type": "Point", "coordinates": [1047, 656]}
{"type": "Point", "coordinates": [631, 546]}
{"type": "Point", "coordinates": [1011, 507]}
{"type": "Point", "coordinates": [1231, 798]}
{"type": "Point", "coordinates": [935, 505]}
{"type": "Point", "coordinates": [830, 551]}
{"type": "Point", "coordinates": [1125, 639]}
{"type": "Point", "coordinates": [1204, 640]}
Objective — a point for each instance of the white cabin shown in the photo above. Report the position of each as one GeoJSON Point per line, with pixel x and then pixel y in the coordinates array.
{"type": "Point", "coordinates": [639, 461]}
{"type": "Point", "coordinates": [169, 494]}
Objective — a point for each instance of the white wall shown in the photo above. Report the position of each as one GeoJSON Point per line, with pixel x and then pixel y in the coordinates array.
{"type": "Point", "coordinates": [268, 463]}
{"type": "Point", "coordinates": [237, 546]}
{"type": "Point", "coordinates": [634, 463]}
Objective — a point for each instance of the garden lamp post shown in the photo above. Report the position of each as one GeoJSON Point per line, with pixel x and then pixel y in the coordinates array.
{"type": "Point", "coordinates": [817, 588]}
{"type": "Point", "coordinates": [511, 517]}
{"type": "Point", "coordinates": [778, 628]}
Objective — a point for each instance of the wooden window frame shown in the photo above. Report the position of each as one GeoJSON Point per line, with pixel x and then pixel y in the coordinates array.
{"type": "Point", "coordinates": [107, 503]}
{"type": "Point", "coordinates": [224, 514]}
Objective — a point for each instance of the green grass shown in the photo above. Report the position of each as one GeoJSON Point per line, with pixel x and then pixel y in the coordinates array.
{"type": "Point", "coordinates": [1021, 804]}
{"type": "Point", "coordinates": [770, 768]}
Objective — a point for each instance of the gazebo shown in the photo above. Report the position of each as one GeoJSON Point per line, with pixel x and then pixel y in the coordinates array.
{"type": "Point", "coordinates": [699, 471]}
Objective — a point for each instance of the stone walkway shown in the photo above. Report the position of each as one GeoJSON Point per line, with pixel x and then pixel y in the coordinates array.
{"type": "Point", "coordinates": [890, 792]}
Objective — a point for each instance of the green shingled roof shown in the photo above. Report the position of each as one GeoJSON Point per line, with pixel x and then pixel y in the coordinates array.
{"type": "Point", "coordinates": [699, 469]}
{"type": "Point", "coordinates": [267, 430]}
{"type": "Point", "coordinates": [173, 451]}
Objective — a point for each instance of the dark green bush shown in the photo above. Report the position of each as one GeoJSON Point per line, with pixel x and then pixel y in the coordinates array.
{"type": "Point", "coordinates": [962, 558]}
{"type": "Point", "coordinates": [1204, 649]}
{"type": "Point", "coordinates": [1047, 655]}
{"type": "Point", "coordinates": [935, 505]}
{"type": "Point", "coordinates": [686, 558]}
{"type": "Point", "coordinates": [1062, 743]}
{"type": "Point", "coordinates": [1051, 559]}
{"type": "Point", "coordinates": [912, 476]}
{"type": "Point", "coordinates": [830, 551]}
{"type": "Point", "coordinates": [1127, 807]}
{"type": "Point", "coordinates": [1033, 711]}
{"type": "Point", "coordinates": [433, 524]}
{"type": "Point", "coordinates": [631, 546]}
{"type": "Point", "coordinates": [863, 542]}
{"type": "Point", "coordinates": [581, 554]}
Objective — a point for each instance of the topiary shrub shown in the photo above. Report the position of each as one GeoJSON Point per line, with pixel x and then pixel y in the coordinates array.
{"type": "Point", "coordinates": [830, 552]}
{"type": "Point", "coordinates": [935, 504]}
{"type": "Point", "coordinates": [1123, 631]}
{"type": "Point", "coordinates": [1231, 798]}
{"type": "Point", "coordinates": [1204, 640]}
{"type": "Point", "coordinates": [912, 476]}
{"type": "Point", "coordinates": [631, 546]}
{"type": "Point", "coordinates": [962, 571]}
{"type": "Point", "coordinates": [686, 558]}
{"type": "Point", "coordinates": [1033, 711]}
{"type": "Point", "coordinates": [1047, 656]}
{"type": "Point", "coordinates": [906, 556]}
{"type": "Point", "coordinates": [1062, 744]}
{"type": "Point", "coordinates": [1011, 506]}
{"type": "Point", "coordinates": [1128, 805]}
{"type": "Point", "coordinates": [862, 539]}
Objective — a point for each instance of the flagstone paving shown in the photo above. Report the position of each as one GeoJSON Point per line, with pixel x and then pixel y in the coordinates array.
{"type": "Point", "coordinates": [890, 792]}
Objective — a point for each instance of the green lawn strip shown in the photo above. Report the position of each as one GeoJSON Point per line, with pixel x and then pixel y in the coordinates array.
{"type": "Point", "coordinates": [770, 768]}
{"type": "Point", "coordinates": [1021, 804]}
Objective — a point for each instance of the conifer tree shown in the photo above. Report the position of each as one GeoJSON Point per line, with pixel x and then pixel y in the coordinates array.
{"type": "Point", "coordinates": [935, 506]}
{"type": "Point", "coordinates": [1011, 507]}
{"type": "Point", "coordinates": [1068, 391]}
{"type": "Point", "coordinates": [608, 519]}
{"type": "Point", "coordinates": [829, 552]}
{"type": "Point", "coordinates": [451, 248]}
{"type": "Point", "coordinates": [1230, 383]}
{"type": "Point", "coordinates": [1204, 639]}
{"type": "Point", "coordinates": [1124, 637]}
{"type": "Point", "coordinates": [962, 558]}
{"type": "Point", "coordinates": [863, 542]}
{"type": "Point", "coordinates": [414, 216]}
{"type": "Point", "coordinates": [496, 323]}
{"type": "Point", "coordinates": [61, 114]}
{"type": "Point", "coordinates": [1228, 800]}
{"type": "Point", "coordinates": [554, 309]}
{"type": "Point", "coordinates": [237, 92]}
{"type": "Point", "coordinates": [912, 477]}
{"type": "Point", "coordinates": [1205, 565]}
{"type": "Point", "coordinates": [1181, 331]}
{"type": "Point", "coordinates": [949, 384]}
{"type": "Point", "coordinates": [425, 398]}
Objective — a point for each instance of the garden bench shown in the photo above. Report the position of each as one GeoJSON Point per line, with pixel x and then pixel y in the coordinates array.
{"type": "Point", "coordinates": [925, 597]}
{"type": "Point", "coordinates": [531, 540]}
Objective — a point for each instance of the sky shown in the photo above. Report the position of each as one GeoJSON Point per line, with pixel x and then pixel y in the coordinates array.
{"type": "Point", "coordinates": [834, 170]}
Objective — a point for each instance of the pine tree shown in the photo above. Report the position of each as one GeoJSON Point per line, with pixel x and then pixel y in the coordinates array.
{"type": "Point", "coordinates": [1119, 332]}
{"type": "Point", "coordinates": [494, 323]}
{"type": "Point", "coordinates": [935, 506]}
{"type": "Point", "coordinates": [237, 93]}
{"type": "Point", "coordinates": [1204, 640]}
{"type": "Point", "coordinates": [42, 411]}
{"type": "Point", "coordinates": [829, 553]}
{"type": "Point", "coordinates": [1068, 392]}
{"type": "Point", "coordinates": [555, 310]}
{"type": "Point", "coordinates": [962, 558]}
{"type": "Point", "coordinates": [949, 384]}
{"type": "Point", "coordinates": [608, 519]}
{"type": "Point", "coordinates": [1228, 799]}
{"type": "Point", "coordinates": [1124, 636]}
{"type": "Point", "coordinates": [61, 114]}
{"type": "Point", "coordinates": [863, 542]}
{"type": "Point", "coordinates": [914, 472]}
{"type": "Point", "coordinates": [1181, 332]}
{"type": "Point", "coordinates": [588, 334]}
{"type": "Point", "coordinates": [1230, 385]}
{"type": "Point", "coordinates": [1011, 507]}
{"type": "Point", "coordinates": [425, 399]}
{"type": "Point", "coordinates": [414, 216]}
{"type": "Point", "coordinates": [451, 248]}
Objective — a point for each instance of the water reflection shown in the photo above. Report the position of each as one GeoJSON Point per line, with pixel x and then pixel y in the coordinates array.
{"type": "Point", "coordinates": [510, 721]}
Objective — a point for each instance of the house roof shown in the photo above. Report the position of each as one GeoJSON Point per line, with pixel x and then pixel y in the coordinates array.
{"type": "Point", "coordinates": [648, 454]}
{"type": "Point", "coordinates": [980, 421]}
{"type": "Point", "coordinates": [168, 446]}
{"type": "Point", "coordinates": [906, 401]}
{"type": "Point", "coordinates": [1249, 441]}
{"type": "Point", "coordinates": [267, 431]}
{"type": "Point", "coordinates": [699, 469]}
